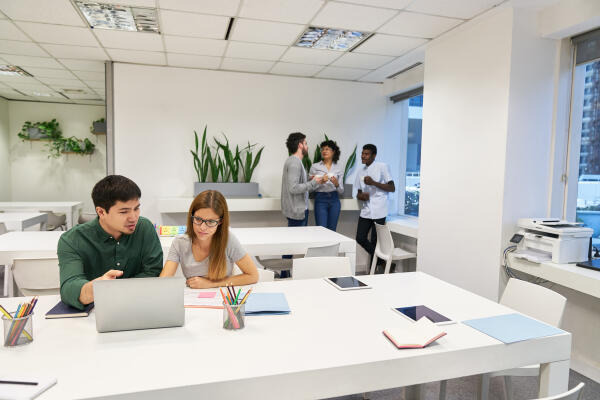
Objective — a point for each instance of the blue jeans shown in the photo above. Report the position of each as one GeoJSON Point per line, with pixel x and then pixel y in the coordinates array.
{"type": "Point", "coordinates": [327, 209]}
{"type": "Point", "coordinates": [294, 222]}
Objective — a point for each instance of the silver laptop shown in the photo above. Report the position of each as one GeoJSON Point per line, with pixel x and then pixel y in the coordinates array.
{"type": "Point", "coordinates": [138, 303]}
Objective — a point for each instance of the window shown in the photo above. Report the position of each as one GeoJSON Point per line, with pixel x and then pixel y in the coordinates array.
{"type": "Point", "coordinates": [413, 156]}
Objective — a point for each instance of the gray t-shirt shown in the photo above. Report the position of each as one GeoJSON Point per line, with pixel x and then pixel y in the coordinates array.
{"type": "Point", "coordinates": [181, 253]}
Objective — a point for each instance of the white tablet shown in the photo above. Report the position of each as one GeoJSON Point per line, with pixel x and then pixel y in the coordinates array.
{"type": "Point", "coordinates": [347, 283]}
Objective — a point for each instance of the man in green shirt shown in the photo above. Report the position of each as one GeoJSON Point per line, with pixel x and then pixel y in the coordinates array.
{"type": "Point", "coordinates": [117, 244]}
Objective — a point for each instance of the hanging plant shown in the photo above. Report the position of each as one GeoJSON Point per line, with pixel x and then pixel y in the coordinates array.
{"type": "Point", "coordinates": [40, 130]}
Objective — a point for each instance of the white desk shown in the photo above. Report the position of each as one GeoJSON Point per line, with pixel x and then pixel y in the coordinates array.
{"type": "Point", "coordinates": [404, 225]}
{"type": "Point", "coordinates": [16, 221]}
{"type": "Point", "coordinates": [267, 241]}
{"type": "Point", "coordinates": [332, 346]}
{"type": "Point", "coordinates": [70, 208]}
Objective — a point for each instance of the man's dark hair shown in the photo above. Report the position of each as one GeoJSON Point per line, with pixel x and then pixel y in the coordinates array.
{"type": "Point", "coordinates": [333, 146]}
{"type": "Point", "coordinates": [293, 140]}
{"type": "Point", "coordinates": [371, 147]}
{"type": "Point", "coordinates": [114, 188]}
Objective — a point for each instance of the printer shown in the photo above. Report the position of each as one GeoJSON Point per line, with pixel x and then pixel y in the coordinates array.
{"type": "Point", "coordinates": [561, 241]}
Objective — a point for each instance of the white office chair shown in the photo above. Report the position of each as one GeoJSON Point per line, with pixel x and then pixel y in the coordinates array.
{"type": "Point", "coordinates": [55, 221]}
{"type": "Point", "coordinates": [264, 275]}
{"type": "Point", "coordinates": [281, 264]}
{"type": "Point", "coordinates": [538, 302]}
{"type": "Point", "coordinates": [3, 229]}
{"type": "Point", "coordinates": [36, 276]}
{"type": "Point", "coordinates": [386, 251]}
{"type": "Point", "coordinates": [321, 267]}
{"type": "Point", "coordinates": [86, 217]}
{"type": "Point", "coordinates": [323, 251]}
{"type": "Point", "coordinates": [574, 394]}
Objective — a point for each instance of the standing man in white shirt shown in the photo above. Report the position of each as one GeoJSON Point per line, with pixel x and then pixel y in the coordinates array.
{"type": "Point", "coordinates": [374, 182]}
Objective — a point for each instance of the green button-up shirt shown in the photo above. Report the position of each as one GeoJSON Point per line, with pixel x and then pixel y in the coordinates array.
{"type": "Point", "coordinates": [87, 252]}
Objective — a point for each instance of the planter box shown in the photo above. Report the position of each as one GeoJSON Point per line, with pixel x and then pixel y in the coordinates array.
{"type": "Point", "coordinates": [99, 128]}
{"type": "Point", "coordinates": [35, 133]}
{"type": "Point", "coordinates": [228, 189]}
{"type": "Point", "coordinates": [347, 191]}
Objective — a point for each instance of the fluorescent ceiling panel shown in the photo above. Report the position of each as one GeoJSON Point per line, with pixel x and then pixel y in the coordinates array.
{"type": "Point", "coordinates": [330, 39]}
{"type": "Point", "coordinates": [9, 31]}
{"type": "Point", "coordinates": [129, 40]}
{"type": "Point", "coordinates": [342, 73]}
{"type": "Point", "coordinates": [300, 12]}
{"type": "Point", "coordinates": [138, 57]}
{"type": "Point", "coordinates": [119, 17]}
{"type": "Point", "coordinates": [196, 25]}
{"type": "Point", "coordinates": [419, 25]}
{"type": "Point", "coordinates": [77, 52]}
{"type": "Point", "coordinates": [27, 61]}
{"type": "Point", "coordinates": [248, 30]}
{"type": "Point", "coordinates": [365, 61]}
{"type": "Point", "coordinates": [58, 34]}
{"type": "Point", "coordinates": [13, 70]}
{"type": "Point", "coordinates": [388, 45]}
{"type": "Point", "coordinates": [59, 12]}
{"type": "Point", "coordinates": [465, 9]}
{"type": "Point", "coordinates": [350, 16]}
{"type": "Point", "coordinates": [283, 68]}
{"type": "Point", "coordinates": [236, 64]}
{"type": "Point", "coordinates": [198, 46]}
{"type": "Point", "coordinates": [193, 61]}
{"type": "Point", "coordinates": [216, 7]}
{"type": "Point", "coordinates": [21, 48]}
{"type": "Point", "coordinates": [310, 56]}
{"type": "Point", "coordinates": [255, 51]}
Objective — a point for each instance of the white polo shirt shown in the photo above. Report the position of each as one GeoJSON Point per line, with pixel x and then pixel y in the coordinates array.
{"type": "Point", "coordinates": [376, 206]}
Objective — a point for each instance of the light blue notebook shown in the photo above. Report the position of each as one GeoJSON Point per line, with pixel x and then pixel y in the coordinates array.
{"type": "Point", "coordinates": [267, 304]}
{"type": "Point", "coordinates": [511, 328]}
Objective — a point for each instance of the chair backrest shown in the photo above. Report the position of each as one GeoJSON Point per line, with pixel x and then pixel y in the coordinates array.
{"type": "Point", "coordinates": [36, 276]}
{"type": "Point", "coordinates": [321, 267]}
{"type": "Point", "coordinates": [3, 229]}
{"type": "Point", "coordinates": [85, 217]}
{"type": "Point", "coordinates": [534, 300]}
{"type": "Point", "coordinates": [323, 251]}
{"type": "Point", "coordinates": [55, 220]}
{"type": "Point", "coordinates": [264, 275]}
{"type": "Point", "coordinates": [574, 394]}
{"type": "Point", "coordinates": [385, 243]}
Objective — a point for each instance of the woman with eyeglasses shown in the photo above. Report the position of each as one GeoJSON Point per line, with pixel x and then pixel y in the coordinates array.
{"type": "Point", "coordinates": [208, 249]}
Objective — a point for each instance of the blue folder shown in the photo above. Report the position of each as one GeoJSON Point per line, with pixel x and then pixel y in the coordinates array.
{"type": "Point", "coordinates": [511, 328]}
{"type": "Point", "coordinates": [267, 304]}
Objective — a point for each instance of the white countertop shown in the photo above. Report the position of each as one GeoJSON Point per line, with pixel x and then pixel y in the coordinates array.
{"type": "Point", "coordinates": [182, 204]}
{"type": "Point", "coordinates": [406, 225]}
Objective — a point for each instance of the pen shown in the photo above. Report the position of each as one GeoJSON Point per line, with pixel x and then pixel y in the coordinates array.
{"type": "Point", "coordinates": [17, 383]}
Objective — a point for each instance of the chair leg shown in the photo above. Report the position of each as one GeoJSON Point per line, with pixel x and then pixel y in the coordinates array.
{"type": "Point", "coordinates": [508, 388]}
{"type": "Point", "coordinates": [388, 265]}
{"type": "Point", "coordinates": [373, 264]}
{"type": "Point", "coordinates": [443, 390]}
{"type": "Point", "coordinates": [484, 387]}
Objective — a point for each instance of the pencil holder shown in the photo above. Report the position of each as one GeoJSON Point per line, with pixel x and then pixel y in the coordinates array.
{"type": "Point", "coordinates": [234, 316]}
{"type": "Point", "coordinates": [18, 331]}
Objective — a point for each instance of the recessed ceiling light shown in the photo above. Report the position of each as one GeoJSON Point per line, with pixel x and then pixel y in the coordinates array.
{"type": "Point", "coordinates": [113, 16]}
{"type": "Point", "coordinates": [331, 39]}
{"type": "Point", "coordinates": [13, 70]}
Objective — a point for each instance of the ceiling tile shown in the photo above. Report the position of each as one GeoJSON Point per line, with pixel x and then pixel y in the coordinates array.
{"type": "Point", "coordinates": [129, 40]}
{"type": "Point", "coordinates": [21, 48]}
{"type": "Point", "coordinates": [388, 45]}
{"type": "Point", "coordinates": [255, 51]}
{"type": "Point", "coordinates": [25, 86]}
{"type": "Point", "coordinates": [197, 25]}
{"type": "Point", "coordinates": [188, 45]}
{"type": "Point", "coordinates": [300, 12]}
{"type": "Point", "coordinates": [395, 4]}
{"type": "Point", "coordinates": [396, 65]}
{"type": "Point", "coordinates": [248, 30]}
{"type": "Point", "coordinates": [368, 61]}
{"type": "Point", "coordinates": [283, 68]}
{"type": "Point", "coordinates": [7, 79]}
{"type": "Point", "coordinates": [218, 7]}
{"type": "Point", "coordinates": [96, 85]}
{"type": "Point", "coordinates": [193, 61]}
{"type": "Point", "coordinates": [136, 3]}
{"type": "Point", "coordinates": [58, 34]}
{"type": "Point", "coordinates": [342, 73]}
{"type": "Point", "coordinates": [82, 65]}
{"type": "Point", "coordinates": [83, 96]}
{"type": "Point", "coordinates": [419, 25]}
{"type": "Point", "coordinates": [350, 16]}
{"type": "Point", "coordinates": [237, 64]}
{"type": "Point", "coordinates": [138, 57]}
{"type": "Point", "coordinates": [51, 12]}
{"type": "Point", "coordinates": [9, 31]}
{"type": "Point", "coordinates": [78, 52]}
{"type": "Point", "coordinates": [310, 56]}
{"type": "Point", "coordinates": [50, 73]}
{"type": "Point", "coordinates": [85, 75]}
{"type": "Point", "coordinates": [27, 61]}
{"type": "Point", "coordinates": [42, 93]}
{"type": "Point", "coordinates": [60, 81]}
{"type": "Point", "coordinates": [464, 9]}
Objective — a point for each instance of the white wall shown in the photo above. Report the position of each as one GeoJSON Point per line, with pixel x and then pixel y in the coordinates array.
{"type": "Point", "coordinates": [154, 123]}
{"type": "Point", "coordinates": [34, 176]}
{"type": "Point", "coordinates": [568, 18]}
{"type": "Point", "coordinates": [465, 121]}
{"type": "Point", "coordinates": [4, 152]}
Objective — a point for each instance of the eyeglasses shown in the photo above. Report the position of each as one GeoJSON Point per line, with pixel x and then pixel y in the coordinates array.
{"type": "Point", "coordinates": [211, 223]}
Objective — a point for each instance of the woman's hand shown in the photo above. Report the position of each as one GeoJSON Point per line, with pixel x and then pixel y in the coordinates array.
{"type": "Point", "coordinates": [197, 282]}
{"type": "Point", "coordinates": [334, 181]}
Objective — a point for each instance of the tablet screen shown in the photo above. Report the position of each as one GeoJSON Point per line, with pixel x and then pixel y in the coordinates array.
{"type": "Point", "coordinates": [417, 312]}
{"type": "Point", "coordinates": [347, 282]}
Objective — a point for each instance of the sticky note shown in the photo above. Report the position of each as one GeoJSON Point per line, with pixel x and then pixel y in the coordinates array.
{"type": "Point", "coordinates": [206, 295]}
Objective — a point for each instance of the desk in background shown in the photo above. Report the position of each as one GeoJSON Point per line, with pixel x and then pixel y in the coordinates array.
{"type": "Point", "coordinates": [70, 208]}
{"type": "Point", "coordinates": [333, 346]}
{"type": "Point", "coordinates": [18, 221]}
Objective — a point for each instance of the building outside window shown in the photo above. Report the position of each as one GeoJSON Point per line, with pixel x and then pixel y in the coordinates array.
{"type": "Point", "coordinates": [413, 156]}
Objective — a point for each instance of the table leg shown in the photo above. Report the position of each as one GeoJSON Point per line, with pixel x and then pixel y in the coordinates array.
{"type": "Point", "coordinates": [69, 221]}
{"type": "Point", "coordinates": [554, 378]}
{"type": "Point", "coordinates": [352, 257]}
{"type": "Point", "coordinates": [5, 288]}
{"type": "Point", "coordinates": [415, 392]}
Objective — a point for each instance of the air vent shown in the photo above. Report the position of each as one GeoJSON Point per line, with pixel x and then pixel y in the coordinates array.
{"type": "Point", "coordinates": [404, 70]}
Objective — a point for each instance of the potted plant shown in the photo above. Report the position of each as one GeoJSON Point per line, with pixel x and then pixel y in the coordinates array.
{"type": "Point", "coordinates": [77, 146]}
{"type": "Point", "coordinates": [40, 130]}
{"type": "Point", "coordinates": [222, 166]}
{"type": "Point", "coordinates": [98, 127]}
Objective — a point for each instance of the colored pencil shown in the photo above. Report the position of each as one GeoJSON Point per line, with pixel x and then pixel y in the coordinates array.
{"type": "Point", "coordinates": [8, 316]}
{"type": "Point", "coordinates": [237, 296]}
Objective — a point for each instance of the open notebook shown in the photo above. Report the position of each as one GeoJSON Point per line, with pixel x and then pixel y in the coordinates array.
{"type": "Point", "coordinates": [21, 387]}
{"type": "Point", "coordinates": [416, 335]}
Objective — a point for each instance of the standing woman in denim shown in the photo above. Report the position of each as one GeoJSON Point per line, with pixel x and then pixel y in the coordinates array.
{"type": "Point", "coordinates": [327, 200]}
